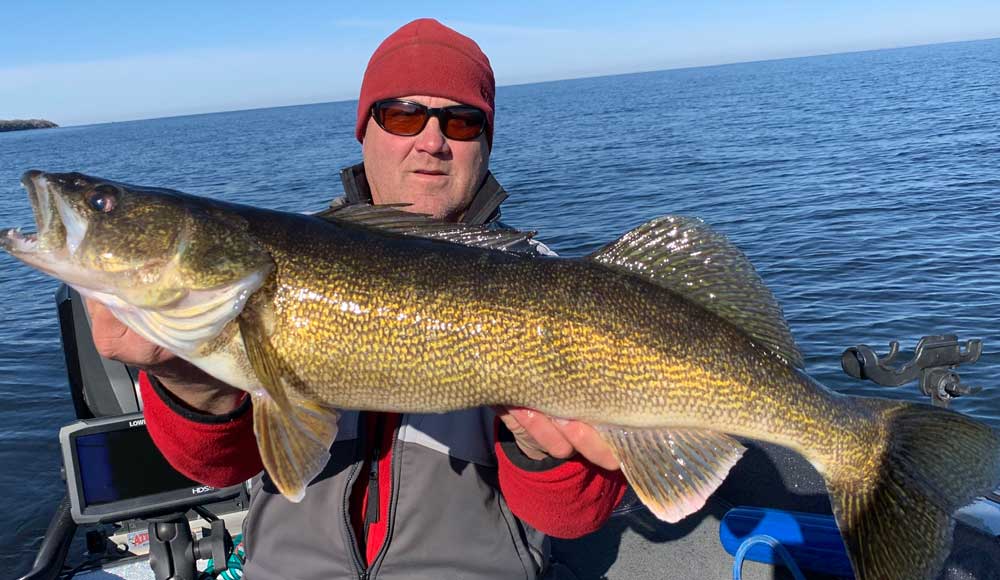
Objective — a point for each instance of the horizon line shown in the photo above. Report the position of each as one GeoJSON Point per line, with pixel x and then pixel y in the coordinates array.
{"type": "Point", "coordinates": [552, 80]}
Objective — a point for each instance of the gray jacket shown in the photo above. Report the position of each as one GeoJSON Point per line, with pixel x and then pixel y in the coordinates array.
{"type": "Point", "coordinates": [447, 517]}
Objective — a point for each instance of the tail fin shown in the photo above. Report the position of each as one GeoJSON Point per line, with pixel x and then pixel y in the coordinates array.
{"type": "Point", "coordinates": [895, 510]}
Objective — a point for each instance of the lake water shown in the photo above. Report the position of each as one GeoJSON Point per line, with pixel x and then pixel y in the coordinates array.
{"type": "Point", "coordinates": [865, 188]}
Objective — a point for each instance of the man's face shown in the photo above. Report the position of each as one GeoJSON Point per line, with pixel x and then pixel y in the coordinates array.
{"type": "Point", "coordinates": [435, 175]}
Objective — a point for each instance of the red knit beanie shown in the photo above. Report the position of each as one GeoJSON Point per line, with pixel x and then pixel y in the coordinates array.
{"type": "Point", "coordinates": [426, 57]}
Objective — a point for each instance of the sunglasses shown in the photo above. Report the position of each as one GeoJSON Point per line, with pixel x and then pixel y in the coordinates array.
{"type": "Point", "coordinates": [406, 119]}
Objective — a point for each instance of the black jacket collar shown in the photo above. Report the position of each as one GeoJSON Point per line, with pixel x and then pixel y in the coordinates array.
{"type": "Point", "coordinates": [484, 209]}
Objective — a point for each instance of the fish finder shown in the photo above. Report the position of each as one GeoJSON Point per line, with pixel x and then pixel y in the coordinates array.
{"type": "Point", "coordinates": [114, 472]}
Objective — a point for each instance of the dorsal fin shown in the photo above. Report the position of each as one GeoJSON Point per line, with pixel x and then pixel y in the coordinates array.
{"type": "Point", "coordinates": [392, 219]}
{"type": "Point", "coordinates": [687, 257]}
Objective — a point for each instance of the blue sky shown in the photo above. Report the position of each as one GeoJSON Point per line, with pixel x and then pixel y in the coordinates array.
{"type": "Point", "coordinates": [85, 62]}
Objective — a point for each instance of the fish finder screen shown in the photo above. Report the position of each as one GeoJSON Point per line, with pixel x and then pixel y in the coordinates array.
{"type": "Point", "coordinates": [124, 464]}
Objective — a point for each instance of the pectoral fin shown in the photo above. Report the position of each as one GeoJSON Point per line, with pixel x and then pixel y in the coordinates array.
{"type": "Point", "coordinates": [294, 447]}
{"type": "Point", "coordinates": [294, 433]}
{"type": "Point", "coordinates": [673, 471]}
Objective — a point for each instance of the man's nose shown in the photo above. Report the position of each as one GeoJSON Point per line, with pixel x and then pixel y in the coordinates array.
{"type": "Point", "coordinates": [431, 139]}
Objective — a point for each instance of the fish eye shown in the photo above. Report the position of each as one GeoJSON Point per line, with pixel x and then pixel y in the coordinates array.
{"type": "Point", "coordinates": [104, 198]}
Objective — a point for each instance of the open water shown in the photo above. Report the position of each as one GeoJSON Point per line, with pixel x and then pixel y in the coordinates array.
{"type": "Point", "coordinates": [865, 187]}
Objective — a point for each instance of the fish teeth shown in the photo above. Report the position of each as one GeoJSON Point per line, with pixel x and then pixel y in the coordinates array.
{"type": "Point", "coordinates": [19, 241]}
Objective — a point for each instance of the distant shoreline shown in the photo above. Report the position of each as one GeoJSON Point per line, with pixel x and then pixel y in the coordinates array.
{"type": "Point", "coordinates": [25, 124]}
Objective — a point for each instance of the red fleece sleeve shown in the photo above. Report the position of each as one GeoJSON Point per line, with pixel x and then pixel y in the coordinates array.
{"type": "Point", "coordinates": [214, 450]}
{"type": "Point", "coordinates": [570, 500]}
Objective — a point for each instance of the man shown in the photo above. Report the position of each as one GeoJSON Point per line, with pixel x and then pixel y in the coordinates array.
{"type": "Point", "coordinates": [460, 494]}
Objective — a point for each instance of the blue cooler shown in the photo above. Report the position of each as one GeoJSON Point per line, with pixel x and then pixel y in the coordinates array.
{"type": "Point", "coordinates": [812, 540]}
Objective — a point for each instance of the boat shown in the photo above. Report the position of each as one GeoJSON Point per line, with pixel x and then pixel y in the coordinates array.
{"type": "Point", "coordinates": [770, 519]}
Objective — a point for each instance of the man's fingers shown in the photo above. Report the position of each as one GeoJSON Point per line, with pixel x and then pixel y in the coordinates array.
{"type": "Point", "coordinates": [103, 323]}
{"type": "Point", "coordinates": [588, 442]}
{"type": "Point", "coordinates": [510, 421]}
{"type": "Point", "coordinates": [108, 332]}
{"type": "Point", "coordinates": [545, 435]}
{"type": "Point", "coordinates": [114, 340]}
{"type": "Point", "coordinates": [557, 437]}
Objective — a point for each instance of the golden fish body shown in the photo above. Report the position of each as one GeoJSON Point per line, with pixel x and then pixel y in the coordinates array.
{"type": "Point", "coordinates": [666, 341]}
{"type": "Point", "coordinates": [403, 325]}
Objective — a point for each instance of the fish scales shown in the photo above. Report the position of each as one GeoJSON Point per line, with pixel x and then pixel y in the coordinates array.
{"type": "Point", "coordinates": [666, 341]}
{"type": "Point", "coordinates": [455, 328]}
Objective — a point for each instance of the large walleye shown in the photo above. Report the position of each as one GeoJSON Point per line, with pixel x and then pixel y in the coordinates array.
{"type": "Point", "coordinates": [666, 340]}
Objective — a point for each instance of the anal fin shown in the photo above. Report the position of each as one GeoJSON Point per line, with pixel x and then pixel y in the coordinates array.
{"type": "Point", "coordinates": [673, 471]}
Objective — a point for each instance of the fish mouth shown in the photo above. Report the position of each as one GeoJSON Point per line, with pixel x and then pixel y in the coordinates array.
{"type": "Point", "coordinates": [16, 241]}
{"type": "Point", "coordinates": [60, 230]}
{"type": "Point", "coordinates": [52, 248]}
{"type": "Point", "coordinates": [59, 226]}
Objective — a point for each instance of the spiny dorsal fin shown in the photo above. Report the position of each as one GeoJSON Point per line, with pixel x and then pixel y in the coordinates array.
{"type": "Point", "coordinates": [673, 471]}
{"type": "Point", "coordinates": [392, 219]}
{"type": "Point", "coordinates": [687, 257]}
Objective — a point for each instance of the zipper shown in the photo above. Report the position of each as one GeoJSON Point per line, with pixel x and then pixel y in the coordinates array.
{"type": "Point", "coordinates": [394, 450]}
{"type": "Point", "coordinates": [371, 512]}
{"type": "Point", "coordinates": [359, 564]}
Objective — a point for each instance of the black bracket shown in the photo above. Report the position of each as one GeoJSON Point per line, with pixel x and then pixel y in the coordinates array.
{"type": "Point", "coordinates": [933, 362]}
{"type": "Point", "coordinates": [173, 551]}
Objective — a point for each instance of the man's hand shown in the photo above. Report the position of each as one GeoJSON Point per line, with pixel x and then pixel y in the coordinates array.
{"type": "Point", "coordinates": [189, 384]}
{"type": "Point", "coordinates": [116, 341]}
{"type": "Point", "coordinates": [540, 436]}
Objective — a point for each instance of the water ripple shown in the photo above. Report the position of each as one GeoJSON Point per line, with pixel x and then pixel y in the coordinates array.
{"type": "Point", "coordinates": [864, 187]}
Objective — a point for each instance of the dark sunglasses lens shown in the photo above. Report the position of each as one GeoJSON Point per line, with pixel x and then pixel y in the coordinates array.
{"type": "Point", "coordinates": [401, 118]}
{"type": "Point", "coordinates": [464, 123]}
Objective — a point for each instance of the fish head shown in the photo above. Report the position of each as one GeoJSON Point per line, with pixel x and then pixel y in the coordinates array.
{"type": "Point", "coordinates": [144, 247]}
